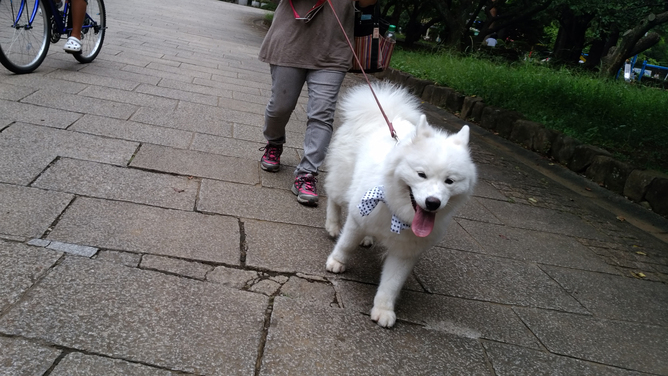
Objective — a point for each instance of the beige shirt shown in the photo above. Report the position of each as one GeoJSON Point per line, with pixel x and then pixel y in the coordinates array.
{"type": "Point", "coordinates": [318, 44]}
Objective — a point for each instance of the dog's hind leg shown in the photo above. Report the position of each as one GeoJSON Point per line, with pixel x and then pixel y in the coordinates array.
{"type": "Point", "coordinates": [333, 221]}
{"type": "Point", "coordinates": [348, 240]}
{"type": "Point", "coordinates": [395, 271]}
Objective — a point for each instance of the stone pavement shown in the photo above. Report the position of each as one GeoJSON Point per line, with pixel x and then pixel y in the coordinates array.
{"type": "Point", "coordinates": [138, 235]}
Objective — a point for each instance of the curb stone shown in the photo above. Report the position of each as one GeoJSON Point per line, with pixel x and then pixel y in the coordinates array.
{"type": "Point", "coordinates": [646, 187]}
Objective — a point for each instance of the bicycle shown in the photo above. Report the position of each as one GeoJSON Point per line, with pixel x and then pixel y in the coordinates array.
{"type": "Point", "coordinates": [27, 27]}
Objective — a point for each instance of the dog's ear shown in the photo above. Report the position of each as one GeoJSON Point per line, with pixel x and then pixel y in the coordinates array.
{"type": "Point", "coordinates": [423, 129]}
{"type": "Point", "coordinates": [462, 137]}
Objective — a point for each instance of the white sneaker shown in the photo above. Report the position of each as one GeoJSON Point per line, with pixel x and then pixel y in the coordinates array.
{"type": "Point", "coordinates": [72, 45]}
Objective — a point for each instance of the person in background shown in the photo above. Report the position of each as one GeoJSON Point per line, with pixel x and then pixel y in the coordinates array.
{"type": "Point", "coordinates": [78, 12]}
{"type": "Point", "coordinates": [305, 44]}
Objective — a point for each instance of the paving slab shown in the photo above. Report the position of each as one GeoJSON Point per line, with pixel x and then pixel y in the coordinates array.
{"type": "Point", "coordinates": [40, 82]}
{"type": "Point", "coordinates": [333, 341]}
{"type": "Point", "coordinates": [194, 163]}
{"type": "Point", "coordinates": [480, 277]}
{"type": "Point", "coordinates": [14, 93]}
{"type": "Point", "coordinates": [517, 361]}
{"type": "Point", "coordinates": [309, 291]}
{"type": "Point", "coordinates": [76, 103]}
{"type": "Point", "coordinates": [29, 212]}
{"type": "Point", "coordinates": [615, 297]}
{"type": "Point", "coordinates": [460, 317]}
{"type": "Point", "coordinates": [21, 267]}
{"type": "Point", "coordinates": [89, 79]}
{"type": "Point", "coordinates": [457, 238]}
{"type": "Point", "coordinates": [290, 249]}
{"type": "Point", "coordinates": [123, 226]}
{"type": "Point", "coordinates": [541, 247]}
{"type": "Point", "coordinates": [178, 95]}
{"type": "Point", "coordinates": [133, 131]}
{"type": "Point", "coordinates": [124, 258]}
{"type": "Point", "coordinates": [184, 121]}
{"type": "Point", "coordinates": [119, 183]}
{"type": "Point", "coordinates": [240, 148]}
{"type": "Point", "coordinates": [102, 69]}
{"type": "Point", "coordinates": [485, 189]}
{"type": "Point", "coordinates": [73, 249]}
{"type": "Point", "coordinates": [145, 317]}
{"type": "Point", "coordinates": [189, 87]}
{"type": "Point", "coordinates": [535, 218]}
{"type": "Point", "coordinates": [235, 278]}
{"type": "Point", "coordinates": [183, 268]}
{"type": "Point", "coordinates": [21, 357]}
{"type": "Point", "coordinates": [234, 115]}
{"type": "Point", "coordinates": [246, 201]}
{"type": "Point", "coordinates": [129, 97]}
{"type": "Point", "coordinates": [25, 146]}
{"type": "Point", "coordinates": [475, 211]}
{"type": "Point", "coordinates": [253, 133]}
{"type": "Point", "coordinates": [28, 113]}
{"type": "Point", "coordinates": [285, 178]}
{"type": "Point", "coordinates": [78, 364]}
{"type": "Point", "coordinates": [628, 345]}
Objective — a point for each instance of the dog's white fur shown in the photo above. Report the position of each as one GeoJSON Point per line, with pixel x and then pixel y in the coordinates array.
{"type": "Point", "coordinates": [434, 165]}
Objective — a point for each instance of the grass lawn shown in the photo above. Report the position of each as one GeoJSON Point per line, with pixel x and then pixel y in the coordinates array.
{"type": "Point", "coordinates": [628, 120]}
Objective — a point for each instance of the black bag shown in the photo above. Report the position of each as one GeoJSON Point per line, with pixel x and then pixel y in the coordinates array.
{"type": "Point", "coordinates": [371, 47]}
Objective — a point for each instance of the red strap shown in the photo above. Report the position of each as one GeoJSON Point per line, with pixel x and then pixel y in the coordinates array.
{"type": "Point", "coordinates": [311, 13]}
{"type": "Point", "coordinates": [393, 133]}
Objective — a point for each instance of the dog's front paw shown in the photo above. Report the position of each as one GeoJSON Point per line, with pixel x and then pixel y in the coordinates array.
{"type": "Point", "coordinates": [383, 317]}
{"type": "Point", "coordinates": [335, 266]}
{"type": "Point", "coordinates": [333, 228]}
{"type": "Point", "coordinates": [367, 241]}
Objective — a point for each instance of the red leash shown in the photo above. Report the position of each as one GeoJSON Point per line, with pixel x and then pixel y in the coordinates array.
{"type": "Point", "coordinates": [389, 123]}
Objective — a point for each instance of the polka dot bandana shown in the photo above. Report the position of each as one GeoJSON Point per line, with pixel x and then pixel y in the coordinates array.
{"type": "Point", "coordinates": [369, 202]}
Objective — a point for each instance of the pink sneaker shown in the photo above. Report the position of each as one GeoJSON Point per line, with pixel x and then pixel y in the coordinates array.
{"type": "Point", "coordinates": [271, 160]}
{"type": "Point", "coordinates": [305, 189]}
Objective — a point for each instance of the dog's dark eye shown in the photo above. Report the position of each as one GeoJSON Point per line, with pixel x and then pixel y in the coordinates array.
{"type": "Point", "coordinates": [448, 181]}
{"type": "Point", "coordinates": [422, 175]}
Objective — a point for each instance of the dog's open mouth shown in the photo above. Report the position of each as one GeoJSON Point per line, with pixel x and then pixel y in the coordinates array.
{"type": "Point", "coordinates": [423, 222]}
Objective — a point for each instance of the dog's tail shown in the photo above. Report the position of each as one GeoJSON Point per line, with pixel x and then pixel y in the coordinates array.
{"type": "Point", "coordinates": [359, 106]}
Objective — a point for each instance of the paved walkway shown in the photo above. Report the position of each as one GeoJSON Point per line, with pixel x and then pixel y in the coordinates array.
{"type": "Point", "coordinates": [138, 235]}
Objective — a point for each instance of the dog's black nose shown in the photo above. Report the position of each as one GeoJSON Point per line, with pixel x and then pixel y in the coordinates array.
{"type": "Point", "coordinates": [432, 203]}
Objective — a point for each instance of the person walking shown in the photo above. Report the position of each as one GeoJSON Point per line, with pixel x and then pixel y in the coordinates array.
{"type": "Point", "coordinates": [305, 44]}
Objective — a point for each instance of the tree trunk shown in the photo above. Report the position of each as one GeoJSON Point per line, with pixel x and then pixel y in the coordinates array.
{"type": "Point", "coordinates": [632, 42]}
{"type": "Point", "coordinates": [508, 18]}
{"type": "Point", "coordinates": [571, 37]}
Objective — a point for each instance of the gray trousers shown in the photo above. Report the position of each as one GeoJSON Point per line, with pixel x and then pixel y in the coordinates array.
{"type": "Point", "coordinates": [323, 91]}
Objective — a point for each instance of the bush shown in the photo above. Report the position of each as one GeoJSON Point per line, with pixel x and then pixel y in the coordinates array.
{"type": "Point", "coordinates": [628, 120]}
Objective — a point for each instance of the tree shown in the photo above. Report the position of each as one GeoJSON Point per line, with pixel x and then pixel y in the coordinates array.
{"type": "Point", "coordinates": [508, 14]}
{"type": "Point", "coordinates": [632, 42]}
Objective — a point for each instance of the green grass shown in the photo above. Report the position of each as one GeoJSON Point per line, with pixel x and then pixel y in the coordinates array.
{"type": "Point", "coordinates": [630, 121]}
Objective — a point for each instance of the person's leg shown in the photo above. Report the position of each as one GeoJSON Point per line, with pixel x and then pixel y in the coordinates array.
{"type": "Point", "coordinates": [286, 86]}
{"type": "Point", "coordinates": [323, 92]}
{"type": "Point", "coordinates": [78, 15]}
{"type": "Point", "coordinates": [78, 12]}
{"type": "Point", "coordinates": [323, 89]}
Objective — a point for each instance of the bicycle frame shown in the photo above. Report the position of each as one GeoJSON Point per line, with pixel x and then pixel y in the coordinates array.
{"type": "Point", "coordinates": [61, 26]}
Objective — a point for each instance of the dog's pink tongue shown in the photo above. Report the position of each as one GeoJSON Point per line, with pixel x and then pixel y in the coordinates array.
{"type": "Point", "coordinates": [423, 222]}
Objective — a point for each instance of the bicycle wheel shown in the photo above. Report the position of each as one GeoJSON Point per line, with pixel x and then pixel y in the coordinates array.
{"type": "Point", "coordinates": [92, 33]}
{"type": "Point", "coordinates": [23, 43]}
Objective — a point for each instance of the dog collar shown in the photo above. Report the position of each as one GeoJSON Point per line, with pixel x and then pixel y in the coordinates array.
{"type": "Point", "coordinates": [369, 202]}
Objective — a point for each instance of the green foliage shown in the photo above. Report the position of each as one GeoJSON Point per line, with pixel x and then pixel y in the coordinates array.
{"type": "Point", "coordinates": [628, 120]}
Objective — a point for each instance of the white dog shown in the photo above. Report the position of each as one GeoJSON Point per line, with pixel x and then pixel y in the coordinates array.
{"type": "Point", "coordinates": [402, 194]}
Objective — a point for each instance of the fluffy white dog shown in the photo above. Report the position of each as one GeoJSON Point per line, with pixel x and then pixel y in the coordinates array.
{"type": "Point", "coordinates": [402, 194]}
